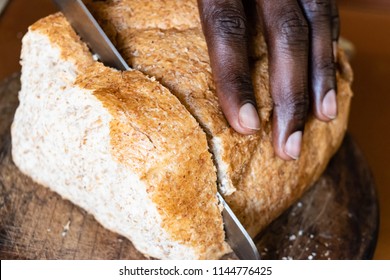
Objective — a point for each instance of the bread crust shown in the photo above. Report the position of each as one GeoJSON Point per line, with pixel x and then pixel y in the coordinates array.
{"type": "Point", "coordinates": [257, 185]}
{"type": "Point", "coordinates": [151, 135]}
{"type": "Point", "coordinates": [165, 139]}
{"type": "Point", "coordinates": [154, 136]}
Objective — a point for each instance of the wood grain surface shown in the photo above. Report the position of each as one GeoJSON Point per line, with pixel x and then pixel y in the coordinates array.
{"type": "Point", "coordinates": [336, 219]}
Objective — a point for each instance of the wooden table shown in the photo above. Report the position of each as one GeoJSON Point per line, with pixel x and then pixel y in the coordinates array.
{"type": "Point", "coordinates": [336, 219]}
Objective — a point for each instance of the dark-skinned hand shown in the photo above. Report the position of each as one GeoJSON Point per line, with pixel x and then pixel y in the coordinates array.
{"type": "Point", "coordinates": [301, 36]}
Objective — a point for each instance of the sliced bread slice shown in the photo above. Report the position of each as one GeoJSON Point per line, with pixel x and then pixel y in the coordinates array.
{"type": "Point", "coordinates": [118, 144]}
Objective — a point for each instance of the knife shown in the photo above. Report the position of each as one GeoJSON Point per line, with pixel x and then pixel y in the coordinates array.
{"type": "Point", "coordinates": [236, 235]}
{"type": "Point", "coordinates": [3, 4]}
{"type": "Point", "coordinates": [89, 30]}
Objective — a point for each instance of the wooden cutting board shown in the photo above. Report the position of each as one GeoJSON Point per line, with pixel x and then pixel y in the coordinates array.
{"type": "Point", "coordinates": [336, 219]}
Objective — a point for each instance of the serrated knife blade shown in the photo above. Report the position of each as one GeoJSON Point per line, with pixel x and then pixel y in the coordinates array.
{"type": "Point", "coordinates": [3, 4]}
{"type": "Point", "coordinates": [89, 30]}
{"type": "Point", "coordinates": [236, 235]}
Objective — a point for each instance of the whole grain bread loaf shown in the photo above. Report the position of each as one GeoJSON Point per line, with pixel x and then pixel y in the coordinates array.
{"type": "Point", "coordinates": [145, 150]}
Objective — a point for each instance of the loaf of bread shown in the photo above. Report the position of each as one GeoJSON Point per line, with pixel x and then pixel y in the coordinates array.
{"type": "Point", "coordinates": [146, 150]}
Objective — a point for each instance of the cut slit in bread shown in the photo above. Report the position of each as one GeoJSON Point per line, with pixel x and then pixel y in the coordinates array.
{"type": "Point", "coordinates": [119, 145]}
{"type": "Point", "coordinates": [134, 152]}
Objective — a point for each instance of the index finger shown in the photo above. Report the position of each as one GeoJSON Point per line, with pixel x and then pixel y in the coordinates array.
{"type": "Point", "coordinates": [225, 30]}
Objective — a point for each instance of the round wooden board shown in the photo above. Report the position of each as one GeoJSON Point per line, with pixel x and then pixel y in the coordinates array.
{"type": "Point", "coordinates": [336, 219]}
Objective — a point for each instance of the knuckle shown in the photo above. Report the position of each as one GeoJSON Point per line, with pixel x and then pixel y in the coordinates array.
{"type": "Point", "coordinates": [326, 66]}
{"type": "Point", "coordinates": [294, 105]}
{"type": "Point", "coordinates": [239, 83]}
{"type": "Point", "coordinates": [300, 104]}
{"type": "Point", "coordinates": [293, 29]}
{"type": "Point", "coordinates": [317, 6]}
{"type": "Point", "coordinates": [227, 22]}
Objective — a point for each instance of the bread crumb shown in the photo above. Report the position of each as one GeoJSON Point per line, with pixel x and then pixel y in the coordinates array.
{"type": "Point", "coordinates": [326, 253]}
{"type": "Point", "coordinates": [66, 229]}
{"type": "Point", "coordinates": [95, 57]}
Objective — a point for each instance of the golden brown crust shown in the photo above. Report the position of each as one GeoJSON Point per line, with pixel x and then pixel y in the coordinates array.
{"type": "Point", "coordinates": [62, 34]}
{"type": "Point", "coordinates": [179, 60]}
{"type": "Point", "coordinates": [265, 184]}
{"type": "Point", "coordinates": [270, 184]}
{"type": "Point", "coordinates": [161, 14]}
{"type": "Point", "coordinates": [155, 136]}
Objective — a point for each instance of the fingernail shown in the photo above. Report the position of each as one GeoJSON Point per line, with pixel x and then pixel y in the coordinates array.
{"type": "Point", "coordinates": [293, 145]}
{"type": "Point", "coordinates": [329, 104]}
{"type": "Point", "coordinates": [248, 117]}
{"type": "Point", "coordinates": [335, 47]}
